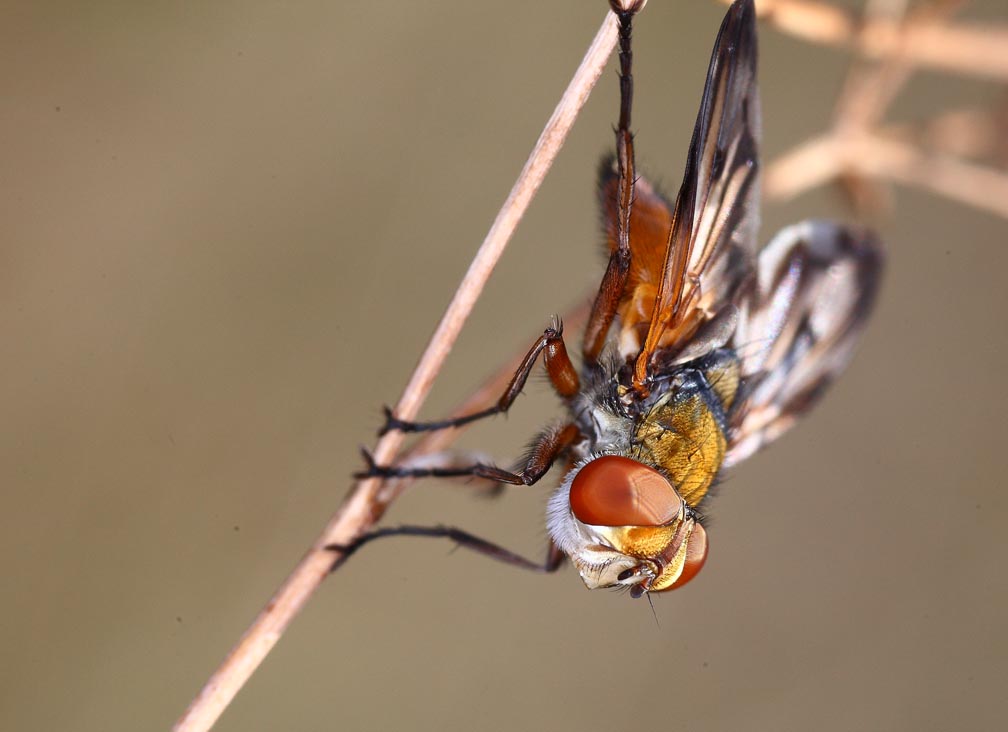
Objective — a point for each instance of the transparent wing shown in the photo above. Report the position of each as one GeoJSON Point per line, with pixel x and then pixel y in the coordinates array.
{"type": "Point", "coordinates": [710, 249]}
{"type": "Point", "coordinates": [798, 326]}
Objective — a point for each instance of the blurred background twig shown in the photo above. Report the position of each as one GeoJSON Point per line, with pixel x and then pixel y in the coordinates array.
{"type": "Point", "coordinates": [956, 153]}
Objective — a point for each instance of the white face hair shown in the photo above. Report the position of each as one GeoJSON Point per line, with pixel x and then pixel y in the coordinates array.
{"type": "Point", "coordinates": [598, 563]}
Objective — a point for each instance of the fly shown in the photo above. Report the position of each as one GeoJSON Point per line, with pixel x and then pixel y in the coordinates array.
{"type": "Point", "coordinates": [700, 349]}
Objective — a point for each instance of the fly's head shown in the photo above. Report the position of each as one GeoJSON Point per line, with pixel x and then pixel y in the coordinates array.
{"type": "Point", "coordinates": [622, 523]}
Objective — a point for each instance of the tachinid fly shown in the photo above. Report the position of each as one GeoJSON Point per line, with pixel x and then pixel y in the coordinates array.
{"type": "Point", "coordinates": [699, 349]}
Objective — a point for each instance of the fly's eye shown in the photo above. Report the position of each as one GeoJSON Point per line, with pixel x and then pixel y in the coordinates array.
{"type": "Point", "coordinates": [696, 555]}
{"type": "Point", "coordinates": [617, 491]}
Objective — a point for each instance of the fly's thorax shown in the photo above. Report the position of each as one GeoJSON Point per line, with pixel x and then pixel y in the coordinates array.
{"type": "Point", "coordinates": [622, 522]}
{"type": "Point", "coordinates": [607, 426]}
{"type": "Point", "coordinates": [683, 431]}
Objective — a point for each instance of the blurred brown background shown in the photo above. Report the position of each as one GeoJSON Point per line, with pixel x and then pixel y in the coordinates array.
{"type": "Point", "coordinates": [228, 230]}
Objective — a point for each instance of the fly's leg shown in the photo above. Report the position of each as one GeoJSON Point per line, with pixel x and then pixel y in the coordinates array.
{"type": "Point", "coordinates": [447, 460]}
{"type": "Point", "coordinates": [554, 557]}
{"type": "Point", "coordinates": [561, 372]}
{"type": "Point", "coordinates": [544, 451]}
{"type": "Point", "coordinates": [615, 279]}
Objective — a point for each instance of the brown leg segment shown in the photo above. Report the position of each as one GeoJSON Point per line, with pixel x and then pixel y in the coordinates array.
{"type": "Point", "coordinates": [550, 445]}
{"type": "Point", "coordinates": [561, 371]}
{"type": "Point", "coordinates": [554, 557]}
{"type": "Point", "coordinates": [614, 281]}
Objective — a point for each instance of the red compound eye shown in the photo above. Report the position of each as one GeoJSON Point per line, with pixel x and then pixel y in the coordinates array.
{"type": "Point", "coordinates": [696, 555]}
{"type": "Point", "coordinates": [617, 491]}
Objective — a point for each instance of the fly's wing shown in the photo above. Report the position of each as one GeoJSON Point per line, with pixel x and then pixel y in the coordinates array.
{"type": "Point", "coordinates": [798, 326]}
{"type": "Point", "coordinates": [710, 248]}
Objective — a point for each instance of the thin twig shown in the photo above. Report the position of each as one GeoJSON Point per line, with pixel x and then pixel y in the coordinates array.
{"type": "Point", "coordinates": [367, 502]}
{"type": "Point", "coordinates": [858, 151]}
{"type": "Point", "coordinates": [957, 180]}
{"type": "Point", "coordinates": [970, 49]}
{"type": "Point", "coordinates": [869, 90]}
{"type": "Point", "coordinates": [968, 133]}
{"type": "Point", "coordinates": [829, 156]}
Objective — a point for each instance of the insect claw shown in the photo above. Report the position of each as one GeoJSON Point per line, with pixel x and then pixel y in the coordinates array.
{"type": "Point", "coordinates": [391, 421]}
{"type": "Point", "coordinates": [373, 469]}
{"type": "Point", "coordinates": [368, 457]}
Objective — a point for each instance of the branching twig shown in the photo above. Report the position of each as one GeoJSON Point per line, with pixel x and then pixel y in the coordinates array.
{"type": "Point", "coordinates": [968, 133]}
{"type": "Point", "coordinates": [969, 49]}
{"type": "Point", "coordinates": [826, 158]}
{"type": "Point", "coordinates": [367, 501]}
{"type": "Point", "coordinates": [858, 149]}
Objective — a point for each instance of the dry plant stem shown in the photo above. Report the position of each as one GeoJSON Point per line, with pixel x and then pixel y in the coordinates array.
{"type": "Point", "coordinates": [968, 133]}
{"type": "Point", "coordinates": [365, 505]}
{"type": "Point", "coordinates": [970, 49]}
{"type": "Point", "coordinates": [823, 159]}
{"type": "Point", "coordinates": [957, 180]}
{"type": "Point", "coordinates": [855, 151]}
{"type": "Point", "coordinates": [870, 89]}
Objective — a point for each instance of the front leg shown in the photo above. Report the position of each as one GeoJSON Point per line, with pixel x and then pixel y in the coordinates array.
{"type": "Point", "coordinates": [545, 450]}
{"type": "Point", "coordinates": [561, 372]}
{"type": "Point", "coordinates": [554, 557]}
